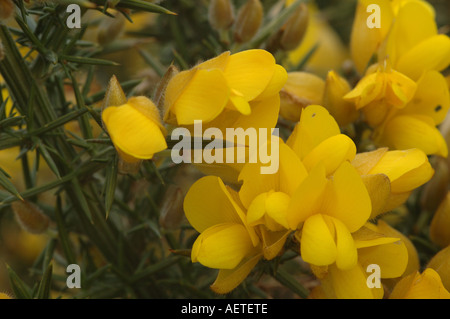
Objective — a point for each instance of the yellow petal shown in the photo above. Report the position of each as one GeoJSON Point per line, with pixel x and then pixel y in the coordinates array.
{"type": "Point", "coordinates": [405, 132]}
{"type": "Point", "coordinates": [431, 99]}
{"type": "Point", "coordinates": [406, 170]}
{"type": "Point", "coordinates": [317, 246]}
{"type": "Point", "coordinates": [218, 62]}
{"type": "Point", "coordinates": [431, 54]}
{"type": "Point", "coordinates": [227, 280]}
{"type": "Point", "coordinates": [352, 284]}
{"type": "Point", "coordinates": [400, 89]}
{"type": "Point", "coordinates": [332, 152]}
{"type": "Point", "coordinates": [240, 104]}
{"type": "Point", "coordinates": [276, 83]}
{"type": "Point", "coordinates": [307, 199]}
{"type": "Point", "coordinates": [222, 246]}
{"type": "Point", "coordinates": [427, 285]}
{"type": "Point", "coordinates": [364, 162]}
{"type": "Point", "coordinates": [441, 263]}
{"type": "Point", "coordinates": [348, 199]}
{"type": "Point", "coordinates": [413, 257]}
{"type": "Point", "coordinates": [316, 125]}
{"type": "Point", "coordinates": [130, 129]}
{"type": "Point", "coordinates": [291, 173]}
{"type": "Point", "coordinates": [276, 207]}
{"type": "Point", "coordinates": [414, 19]}
{"type": "Point", "coordinates": [364, 41]}
{"type": "Point", "coordinates": [201, 95]}
{"type": "Point", "coordinates": [257, 65]}
{"type": "Point", "coordinates": [208, 203]}
{"type": "Point", "coordinates": [369, 236]}
{"type": "Point", "coordinates": [256, 210]}
{"type": "Point", "coordinates": [392, 258]}
{"type": "Point", "coordinates": [368, 89]}
{"type": "Point", "coordinates": [347, 256]}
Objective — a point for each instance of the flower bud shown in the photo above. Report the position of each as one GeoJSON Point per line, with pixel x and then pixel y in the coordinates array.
{"type": "Point", "coordinates": [336, 87]}
{"type": "Point", "coordinates": [295, 28]}
{"type": "Point", "coordinates": [6, 9]}
{"type": "Point", "coordinates": [301, 89]}
{"type": "Point", "coordinates": [30, 217]}
{"type": "Point", "coordinates": [248, 21]}
{"type": "Point", "coordinates": [441, 263]}
{"type": "Point", "coordinates": [171, 213]}
{"type": "Point", "coordinates": [220, 14]}
{"type": "Point", "coordinates": [440, 224]}
{"type": "Point", "coordinates": [435, 190]}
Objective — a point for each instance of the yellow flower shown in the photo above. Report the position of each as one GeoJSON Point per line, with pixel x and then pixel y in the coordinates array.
{"type": "Point", "coordinates": [266, 198]}
{"type": "Point", "coordinates": [427, 285]}
{"type": "Point", "coordinates": [227, 82]}
{"type": "Point", "coordinates": [440, 224]}
{"type": "Point", "coordinates": [423, 49]}
{"type": "Point", "coordinates": [134, 126]}
{"type": "Point", "coordinates": [379, 91]}
{"type": "Point", "coordinates": [327, 211]}
{"type": "Point", "coordinates": [331, 202]}
{"type": "Point", "coordinates": [414, 126]}
{"type": "Point", "coordinates": [441, 264]}
{"type": "Point", "coordinates": [405, 170]}
{"type": "Point", "coordinates": [317, 139]}
{"type": "Point", "coordinates": [375, 247]}
{"type": "Point", "coordinates": [226, 241]}
{"type": "Point", "coordinates": [230, 91]}
{"type": "Point", "coordinates": [301, 89]}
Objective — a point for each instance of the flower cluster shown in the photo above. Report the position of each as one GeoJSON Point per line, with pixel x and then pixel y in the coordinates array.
{"type": "Point", "coordinates": [326, 198]}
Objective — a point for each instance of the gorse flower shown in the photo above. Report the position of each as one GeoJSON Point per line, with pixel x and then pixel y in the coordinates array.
{"type": "Point", "coordinates": [134, 125]}
{"type": "Point", "coordinates": [214, 86]}
{"type": "Point", "coordinates": [375, 246]}
{"type": "Point", "coordinates": [226, 241]}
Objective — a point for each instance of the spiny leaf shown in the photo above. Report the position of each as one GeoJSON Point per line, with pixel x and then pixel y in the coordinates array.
{"type": "Point", "coordinates": [45, 284]}
{"type": "Point", "coordinates": [110, 184]}
{"type": "Point", "coordinates": [8, 185]}
{"type": "Point", "coordinates": [20, 289]}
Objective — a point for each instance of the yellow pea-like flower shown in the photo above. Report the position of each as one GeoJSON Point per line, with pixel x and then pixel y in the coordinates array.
{"type": "Point", "coordinates": [414, 126]}
{"type": "Point", "coordinates": [405, 170]}
{"type": "Point", "coordinates": [375, 246]}
{"type": "Point", "coordinates": [226, 241]}
{"type": "Point", "coordinates": [135, 129]}
{"type": "Point", "coordinates": [227, 82]}
{"type": "Point", "coordinates": [423, 49]}
{"type": "Point", "coordinates": [385, 85]}
{"type": "Point", "coordinates": [135, 126]}
{"type": "Point", "coordinates": [425, 285]}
